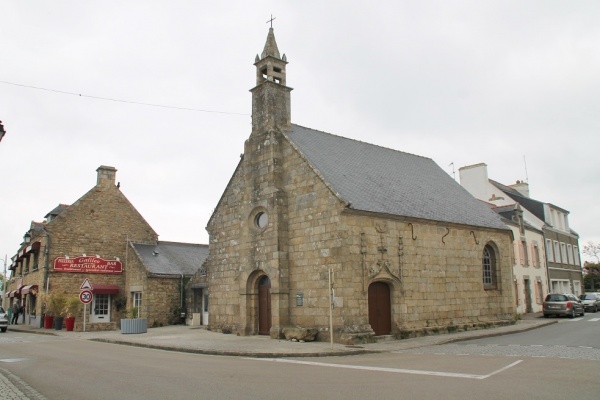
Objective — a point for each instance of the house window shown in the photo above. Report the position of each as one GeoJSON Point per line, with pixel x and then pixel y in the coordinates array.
{"type": "Point", "coordinates": [489, 268]}
{"type": "Point", "coordinates": [576, 254]}
{"type": "Point", "coordinates": [570, 254]}
{"type": "Point", "coordinates": [137, 300]}
{"type": "Point", "coordinates": [556, 251]}
{"type": "Point", "coordinates": [535, 254]}
{"type": "Point", "coordinates": [549, 254]}
{"type": "Point", "coordinates": [560, 286]}
{"type": "Point", "coordinates": [36, 260]}
{"type": "Point", "coordinates": [26, 265]}
{"type": "Point", "coordinates": [563, 253]}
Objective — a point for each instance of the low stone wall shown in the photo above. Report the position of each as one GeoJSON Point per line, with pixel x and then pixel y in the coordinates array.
{"type": "Point", "coordinates": [440, 330]}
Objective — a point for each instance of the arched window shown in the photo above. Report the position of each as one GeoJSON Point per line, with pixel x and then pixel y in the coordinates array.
{"type": "Point", "coordinates": [489, 268]}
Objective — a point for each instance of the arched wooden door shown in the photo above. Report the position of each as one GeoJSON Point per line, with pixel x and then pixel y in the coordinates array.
{"type": "Point", "coordinates": [380, 315]}
{"type": "Point", "coordinates": [264, 306]}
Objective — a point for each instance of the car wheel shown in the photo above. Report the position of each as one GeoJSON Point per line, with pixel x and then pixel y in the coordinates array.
{"type": "Point", "coordinates": [546, 316]}
{"type": "Point", "coordinates": [3, 329]}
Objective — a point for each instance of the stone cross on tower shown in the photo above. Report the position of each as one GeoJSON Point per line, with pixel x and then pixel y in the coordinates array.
{"type": "Point", "coordinates": [271, 20]}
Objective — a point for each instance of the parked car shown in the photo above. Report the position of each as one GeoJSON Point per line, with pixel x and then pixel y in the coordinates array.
{"type": "Point", "coordinates": [565, 304]}
{"type": "Point", "coordinates": [590, 301]}
{"type": "Point", "coordinates": [3, 320]}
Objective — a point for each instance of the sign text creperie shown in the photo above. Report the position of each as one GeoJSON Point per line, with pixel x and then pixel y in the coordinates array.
{"type": "Point", "coordinates": [90, 265]}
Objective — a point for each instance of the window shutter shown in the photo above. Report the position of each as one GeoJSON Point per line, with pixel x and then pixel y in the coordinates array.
{"type": "Point", "coordinates": [521, 252]}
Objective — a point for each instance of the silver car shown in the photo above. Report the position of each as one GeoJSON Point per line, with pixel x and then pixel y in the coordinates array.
{"type": "Point", "coordinates": [590, 301]}
{"type": "Point", "coordinates": [566, 304]}
{"type": "Point", "coordinates": [3, 320]}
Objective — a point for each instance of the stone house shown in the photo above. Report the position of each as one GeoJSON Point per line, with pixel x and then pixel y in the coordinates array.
{"type": "Point", "coordinates": [530, 273]}
{"type": "Point", "coordinates": [103, 238]}
{"type": "Point", "coordinates": [408, 250]}
{"type": "Point", "coordinates": [157, 275]}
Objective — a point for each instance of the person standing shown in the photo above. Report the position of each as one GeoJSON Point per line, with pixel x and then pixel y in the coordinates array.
{"type": "Point", "coordinates": [16, 310]}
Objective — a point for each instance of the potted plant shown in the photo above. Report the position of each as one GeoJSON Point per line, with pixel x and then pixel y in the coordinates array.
{"type": "Point", "coordinates": [47, 311]}
{"type": "Point", "coordinates": [57, 302]}
{"type": "Point", "coordinates": [134, 323]}
{"type": "Point", "coordinates": [72, 307]}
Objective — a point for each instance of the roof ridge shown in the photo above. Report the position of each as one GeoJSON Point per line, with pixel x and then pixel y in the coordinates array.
{"type": "Point", "coordinates": [360, 141]}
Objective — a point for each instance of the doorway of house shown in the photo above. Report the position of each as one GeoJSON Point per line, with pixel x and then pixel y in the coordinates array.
{"type": "Point", "coordinates": [100, 310]}
{"type": "Point", "coordinates": [380, 315]}
{"type": "Point", "coordinates": [528, 304]}
{"type": "Point", "coordinates": [264, 306]}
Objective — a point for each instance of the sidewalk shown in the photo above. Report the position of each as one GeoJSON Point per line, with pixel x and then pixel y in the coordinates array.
{"type": "Point", "coordinates": [198, 340]}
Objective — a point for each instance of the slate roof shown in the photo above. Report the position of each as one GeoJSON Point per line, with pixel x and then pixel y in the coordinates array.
{"type": "Point", "coordinates": [381, 180]}
{"type": "Point", "coordinates": [534, 206]}
{"type": "Point", "coordinates": [172, 258]}
{"type": "Point", "coordinates": [59, 209]}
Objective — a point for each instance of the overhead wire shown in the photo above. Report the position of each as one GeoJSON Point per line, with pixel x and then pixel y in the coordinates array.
{"type": "Point", "coordinates": [120, 100]}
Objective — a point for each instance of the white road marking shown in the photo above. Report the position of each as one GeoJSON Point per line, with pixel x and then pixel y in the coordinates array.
{"type": "Point", "coordinates": [393, 370]}
{"type": "Point", "coordinates": [11, 360]}
{"type": "Point", "coordinates": [594, 319]}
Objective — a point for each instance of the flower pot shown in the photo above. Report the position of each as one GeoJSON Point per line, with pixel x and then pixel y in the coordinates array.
{"type": "Point", "coordinates": [134, 325]}
{"type": "Point", "coordinates": [58, 323]}
{"type": "Point", "coordinates": [48, 322]}
{"type": "Point", "coordinates": [70, 323]}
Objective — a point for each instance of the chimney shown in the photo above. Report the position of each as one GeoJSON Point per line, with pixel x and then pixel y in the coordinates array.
{"type": "Point", "coordinates": [521, 187]}
{"type": "Point", "coordinates": [475, 179]}
{"type": "Point", "coordinates": [106, 176]}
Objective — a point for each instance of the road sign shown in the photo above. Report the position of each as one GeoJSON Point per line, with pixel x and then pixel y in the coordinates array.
{"type": "Point", "coordinates": [86, 285]}
{"type": "Point", "coordinates": [86, 296]}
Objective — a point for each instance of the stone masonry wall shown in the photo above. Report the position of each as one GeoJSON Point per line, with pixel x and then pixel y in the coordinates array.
{"type": "Point", "coordinates": [99, 223]}
{"type": "Point", "coordinates": [435, 278]}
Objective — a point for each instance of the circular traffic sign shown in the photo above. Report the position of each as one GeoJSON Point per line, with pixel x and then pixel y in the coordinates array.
{"type": "Point", "coordinates": [86, 296]}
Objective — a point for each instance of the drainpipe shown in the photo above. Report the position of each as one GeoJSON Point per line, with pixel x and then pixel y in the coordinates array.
{"type": "Point", "coordinates": [46, 261]}
{"type": "Point", "coordinates": [46, 282]}
{"type": "Point", "coordinates": [182, 315]}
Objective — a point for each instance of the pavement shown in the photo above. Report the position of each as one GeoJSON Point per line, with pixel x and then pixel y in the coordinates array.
{"type": "Point", "coordinates": [198, 340]}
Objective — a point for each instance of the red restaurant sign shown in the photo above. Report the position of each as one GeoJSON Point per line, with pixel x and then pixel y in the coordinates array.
{"type": "Point", "coordinates": [88, 265]}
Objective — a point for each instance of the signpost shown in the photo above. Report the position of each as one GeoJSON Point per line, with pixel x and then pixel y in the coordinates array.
{"type": "Point", "coordinates": [86, 296]}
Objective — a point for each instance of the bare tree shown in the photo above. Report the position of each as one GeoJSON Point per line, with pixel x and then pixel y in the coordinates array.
{"type": "Point", "coordinates": [593, 250]}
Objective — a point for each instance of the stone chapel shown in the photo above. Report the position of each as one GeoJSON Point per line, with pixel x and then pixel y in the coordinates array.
{"type": "Point", "coordinates": [411, 251]}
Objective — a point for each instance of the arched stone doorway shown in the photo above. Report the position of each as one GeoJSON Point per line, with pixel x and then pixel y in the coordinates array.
{"type": "Point", "coordinates": [264, 306]}
{"type": "Point", "coordinates": [380, 315]}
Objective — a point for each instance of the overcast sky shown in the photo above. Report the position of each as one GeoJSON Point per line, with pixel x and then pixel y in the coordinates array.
{"type": "Point", "coordinates": [513, 84]}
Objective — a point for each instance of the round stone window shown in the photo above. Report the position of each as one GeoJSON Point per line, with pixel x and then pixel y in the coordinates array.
{"type": "Point", "coordinates": [261, 220]}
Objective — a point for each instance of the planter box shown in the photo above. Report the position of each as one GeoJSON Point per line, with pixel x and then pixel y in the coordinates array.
{"type": "Point", "coordinates": [70, 323]}
{"type": "Point", "coordinates": [134, 325]}
{"type": "Point", "coordinates": [48, 322]}
{"type": "Point", "coordinates": [58, 323]}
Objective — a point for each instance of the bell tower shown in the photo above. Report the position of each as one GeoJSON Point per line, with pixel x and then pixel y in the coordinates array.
{"type": "Point", "coordinates": [270, 97]}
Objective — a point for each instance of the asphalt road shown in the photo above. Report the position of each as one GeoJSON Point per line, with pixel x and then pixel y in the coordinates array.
{"type": "Point", "coordinates": [64, 368]}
